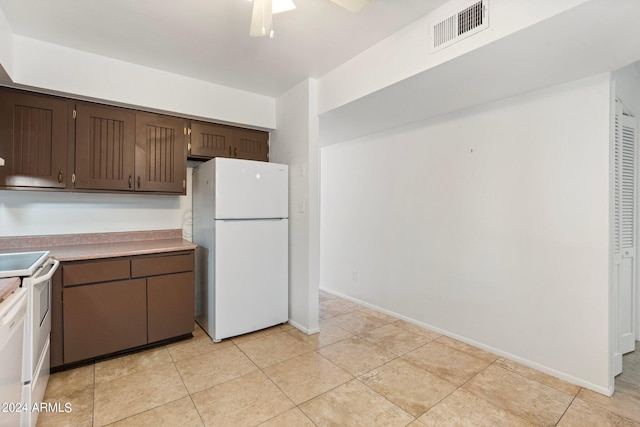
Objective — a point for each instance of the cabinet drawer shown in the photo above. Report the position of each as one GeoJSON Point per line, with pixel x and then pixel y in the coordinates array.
{"type": "Point", "coordinates": [93, 272]}
{"type": "Point", "coordinates": [156, 265]}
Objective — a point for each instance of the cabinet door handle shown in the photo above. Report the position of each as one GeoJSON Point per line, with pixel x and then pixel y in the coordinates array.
{"type": "Point", "coordinates": [60, 177]}
{"type": "Point", "coordinates": [230, 155]}
{"type": "Point", "coordinates": [138, 181]}
{"type": "Point", "coordinates": [129, 181]}
{"type": "Point", "coordinates": [235, 151]}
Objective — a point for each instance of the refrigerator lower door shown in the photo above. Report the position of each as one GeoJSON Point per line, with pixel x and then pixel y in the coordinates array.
{"type": "Point", "coordinates": [251, 275]}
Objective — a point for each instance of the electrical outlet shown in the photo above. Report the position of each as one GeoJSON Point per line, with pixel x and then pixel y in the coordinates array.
{"type": "Point", "coordinates": [354, 275]}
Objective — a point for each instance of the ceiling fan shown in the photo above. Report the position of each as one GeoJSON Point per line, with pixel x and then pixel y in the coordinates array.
{"type": "Point", "coordinates": [263, 11]}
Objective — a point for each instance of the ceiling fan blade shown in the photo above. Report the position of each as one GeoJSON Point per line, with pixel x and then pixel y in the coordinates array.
{"type": "Point", "coordinates": [352, 5]}
{"type": "Point", "coordinates": [261, 18]}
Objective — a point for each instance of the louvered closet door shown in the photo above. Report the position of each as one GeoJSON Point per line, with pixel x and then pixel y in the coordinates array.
{"type": "Point", "coordinates": [625, 226]}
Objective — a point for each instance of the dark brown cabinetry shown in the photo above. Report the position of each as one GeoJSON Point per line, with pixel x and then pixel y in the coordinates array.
{"type": "Point", "coordinates": [210, 140]}
{"type": "Point", "coordinates": [118, 149]}
{"type": "Point", "coordinates": [104, 318]}
{"type": "Point", "coordinates": [51, 142]}
{"type": "Point", "coordinates": [104, 155]}
{"type": "Point", "coordinates": [170, 293]}
{"type": "Point", "coordinates": [33, 140]}
{"type": "Point", "coordinates": [105, 306]}
{"type": "Point", "coordinates": [251, 145]}
{"type": "Point", "coordinates": [169, 297]}
{"type": "Point", "coordinates": [161, 154]}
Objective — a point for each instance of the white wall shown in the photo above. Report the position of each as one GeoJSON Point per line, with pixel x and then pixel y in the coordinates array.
{"type": "Point", "coordinates": [6, 49]}
{"type": "Point", "coordinates": [406, 52]}
{"type": "Point", "coordinates": [490, 225]}
{"type": "Point", "coordinates": [519, 53]}
{"type": "Point", "coordinates": [28, 213]}
{"type": "Point", "coordinates": [295, 142]}
{"type": "Point", "coordinates": [627, 82]}
{"type": "Point", "coordinates": [56, 68]}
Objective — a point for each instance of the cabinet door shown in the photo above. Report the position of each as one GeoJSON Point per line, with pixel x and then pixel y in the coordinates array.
{"type": "Point", "coordinates": [251, 144]}
{"type": "Point", "coordinates": [161, 154]}
{"type": "Point", "coordinates": [104, 147]}
{"type": "Point", "coordinates": [104, 318]}
{"type": "Point", "coordinates": [33, 140]}
{"type": "Point", "coordinates": [170, 305]}
{"type": "Point", "coordinates": [209, 140]}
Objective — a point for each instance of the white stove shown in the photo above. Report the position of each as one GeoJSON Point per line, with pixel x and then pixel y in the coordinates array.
{"type": "Point", "coordinates": [35, 270]}
{"type": "Point", "coordinates": [13, 310]}
{"type": "Point", "coordinates": [21, 264]}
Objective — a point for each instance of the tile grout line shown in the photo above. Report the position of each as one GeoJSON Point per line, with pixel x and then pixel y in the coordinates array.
{"type": "Point", "coordinates": [295, 405]}
{"type": "Point", "coordinates": [482, 397]}
{"type": "Point", "coordinates": [566, 409]}
{"type": "Point", "coordinates": [157, 406]}
{"type": "Point", "coordinates": [185, 385]}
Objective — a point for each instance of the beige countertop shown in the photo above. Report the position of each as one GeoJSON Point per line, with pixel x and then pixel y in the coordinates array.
{"type": "Point", "coordinates": [75, 247]}
{"type": "Point", "coordinates": [111, 250]}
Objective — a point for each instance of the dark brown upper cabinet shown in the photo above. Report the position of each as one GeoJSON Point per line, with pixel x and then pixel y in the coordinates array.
{"type": "Point", "coordinates": [105, 147]}
{"type": "Point", "coordinates": [209, 140]}
{"type": "Point", "coordinates": [51, 142]}
{"type": "Point", "coordinates": [251, 144]}
{"type": "Point", "coordinates": [33, 140]}
{"type": "Point", "coordinates": [161, 154]}
{"type": "Point", "coordinates": [123, 150]}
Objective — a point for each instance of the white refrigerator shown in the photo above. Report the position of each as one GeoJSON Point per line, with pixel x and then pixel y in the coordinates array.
{"type": "Point", "coordinates": [240, 223]}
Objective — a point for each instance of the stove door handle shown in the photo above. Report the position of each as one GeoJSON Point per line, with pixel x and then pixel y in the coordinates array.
{"type": "Point", "coordinates": [39, 279]}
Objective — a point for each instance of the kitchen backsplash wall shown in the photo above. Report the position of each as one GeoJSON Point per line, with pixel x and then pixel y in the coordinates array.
{"type": "Point", "coordinates": [28, 213]}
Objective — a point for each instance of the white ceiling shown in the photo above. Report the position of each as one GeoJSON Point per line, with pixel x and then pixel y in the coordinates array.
{"type": "Point", "coordinates": [209, 39]}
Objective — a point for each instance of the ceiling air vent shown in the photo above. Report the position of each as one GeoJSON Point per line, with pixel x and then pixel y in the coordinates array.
{"type": "Point", "coordinates": [451, 26]}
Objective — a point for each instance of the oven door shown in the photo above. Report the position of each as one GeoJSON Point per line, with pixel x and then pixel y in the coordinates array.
{"type": "Point", "coordinates": [12, 318]}
{"type": "Point", "coordinates": [38, 326]}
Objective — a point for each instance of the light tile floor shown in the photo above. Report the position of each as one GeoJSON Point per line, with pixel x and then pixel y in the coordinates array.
{"type": "Point", "coordinates": [363, 369]}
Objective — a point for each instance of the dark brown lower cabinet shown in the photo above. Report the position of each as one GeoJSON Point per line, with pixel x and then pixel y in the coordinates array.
{"type": "Point", "coordinates": [109, 305]}
{"type": "Point", "coordinates": [170, 305]}
{"type": "Point", "coordinates": [104, 318]}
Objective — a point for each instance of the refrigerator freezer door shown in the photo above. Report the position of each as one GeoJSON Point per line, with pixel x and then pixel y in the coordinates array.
{"type": "Point", "coordinates": [251, 276]}
{"type": "Point", "coordinates": [250, 189]}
